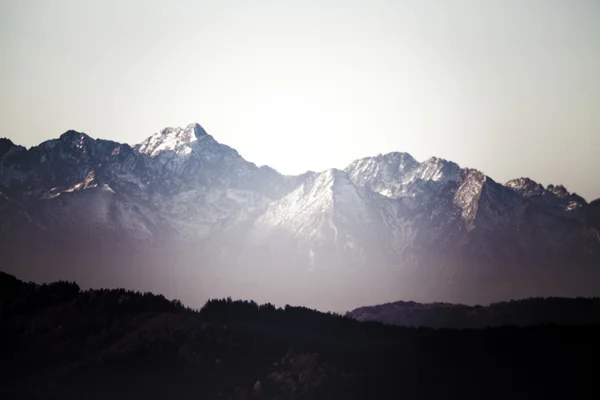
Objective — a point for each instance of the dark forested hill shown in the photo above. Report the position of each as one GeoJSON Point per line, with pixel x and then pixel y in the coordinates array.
{"type": "Point", "coordinates": [58, 342]}
{"type": "Point", "coordinates": [527, 312]}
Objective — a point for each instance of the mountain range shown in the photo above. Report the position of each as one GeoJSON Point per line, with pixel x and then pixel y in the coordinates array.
{"type": "Point", "coordinates": [186, 216]}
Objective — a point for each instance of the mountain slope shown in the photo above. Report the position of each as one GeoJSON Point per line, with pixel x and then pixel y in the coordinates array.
{"type": "Point", "coordinates": [330, 215]}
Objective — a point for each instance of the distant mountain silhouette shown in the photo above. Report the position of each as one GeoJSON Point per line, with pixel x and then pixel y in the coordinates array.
{"type": "Point", "coordinates": [527, 312]}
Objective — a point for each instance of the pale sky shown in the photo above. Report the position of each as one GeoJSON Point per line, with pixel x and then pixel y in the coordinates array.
{"type": "Point", "coordinates": [510, 87]}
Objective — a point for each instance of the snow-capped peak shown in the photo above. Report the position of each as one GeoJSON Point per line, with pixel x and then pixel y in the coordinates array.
{"type": "Point", "coordinates": [330, 176]}
{"type": "Point", "coordinates": [400, 159]}
{"type": "Point", "coordinates": [172, 139]}
{"type": "Point", "coordinates": [526, 187]}
{"type": "Point", "coordinates": [557, 197]}
{"type": "Point", "coordinates": [438, 169]}
{"type": "Point", "coordinates": [196, 129]}
{"type": "Point", "coordinates": [392, 174]}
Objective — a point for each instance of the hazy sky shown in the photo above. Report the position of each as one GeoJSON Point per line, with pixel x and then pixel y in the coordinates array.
{"type": "Point", "coordinates": [508, 87]}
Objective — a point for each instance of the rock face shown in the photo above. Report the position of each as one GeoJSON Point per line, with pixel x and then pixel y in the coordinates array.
{"type": "Point", "coordinates": [184, 215]}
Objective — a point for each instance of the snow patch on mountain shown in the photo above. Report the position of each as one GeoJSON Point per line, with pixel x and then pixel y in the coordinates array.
{"type": "Point", "coordinates": [397, 175]}
{"type": "Point", "coordinates": [296, 211]}
{"type": "Point", "coordinates": [438, 170]}
{"type": "Point", "coordinates": [178, 140]}
{"type": "Point", "coordinates": [468, 194]}
{"type": "Point", "coordinates": [385, 174]}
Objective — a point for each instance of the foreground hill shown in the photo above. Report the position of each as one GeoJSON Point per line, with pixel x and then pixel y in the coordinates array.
{"type": "Point", "coordinates": [58, 342]}
{"type": "Point", "coordinates": [528, 312]}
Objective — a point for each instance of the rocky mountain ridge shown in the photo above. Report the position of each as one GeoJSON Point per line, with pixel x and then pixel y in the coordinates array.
{"type": "Point", "coordinates": [180, 197]}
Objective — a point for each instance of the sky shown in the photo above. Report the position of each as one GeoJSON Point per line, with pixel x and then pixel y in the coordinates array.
{"type": "Point", "coordinates": [509, 87]}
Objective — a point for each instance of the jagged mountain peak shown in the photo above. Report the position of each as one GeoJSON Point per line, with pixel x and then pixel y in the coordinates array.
{"type": "Point", "coordinates": [385, 173]}
{"type": "Point", "coordinates": [472, 173]}
{"type": "Point", "coordinates": [555, 196]}
{"type": "Point", "coordinates": [73, 134]}
{"type": "Point", "coordinates": [5, 145]}
{"type": "Point", "coordinates": [333, 174]}
{"type": "Point", "coordinates": [402, 158]}
{"type": "Point", "coordinates": [75, 139]}
{"type": "Point", "coordinates": [559, 190]}
{"type": "Point", "coordinates": [439, 169]}
{"type": "Point", "coordinates": [177, 139]}
{"type": "Point", "coordinates": [332, 181]}
{"type": "Point", "coordinates": [318, 192]}
{"type": "Point", "coordinates": [6, 142]}
{"type": "Point", "coordinates": [328, 213]}
{"type": "Point", "coordinates": [389, 163]}
{"type": "Point", "coordinates": [197, 129]}
{"type": "Point", "coordinates": [397, 174]}
{"type": "Point", "coordinates": [434, 159]}
{"type": "Point", "coordinates": [526, 186]}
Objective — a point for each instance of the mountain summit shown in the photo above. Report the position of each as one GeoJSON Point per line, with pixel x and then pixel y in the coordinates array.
{"type": "Point", "coordinates": [172, 139]}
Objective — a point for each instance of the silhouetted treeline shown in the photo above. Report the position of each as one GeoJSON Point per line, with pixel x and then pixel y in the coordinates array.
{"type": "Point", "coordinates": [293, 320]}
{"type": "Point", "coordinates": [58, 342]}
{"type": "Point", "coordinates": [21, 297]}
{"type": "Point", "coordinates": [17, 296]}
